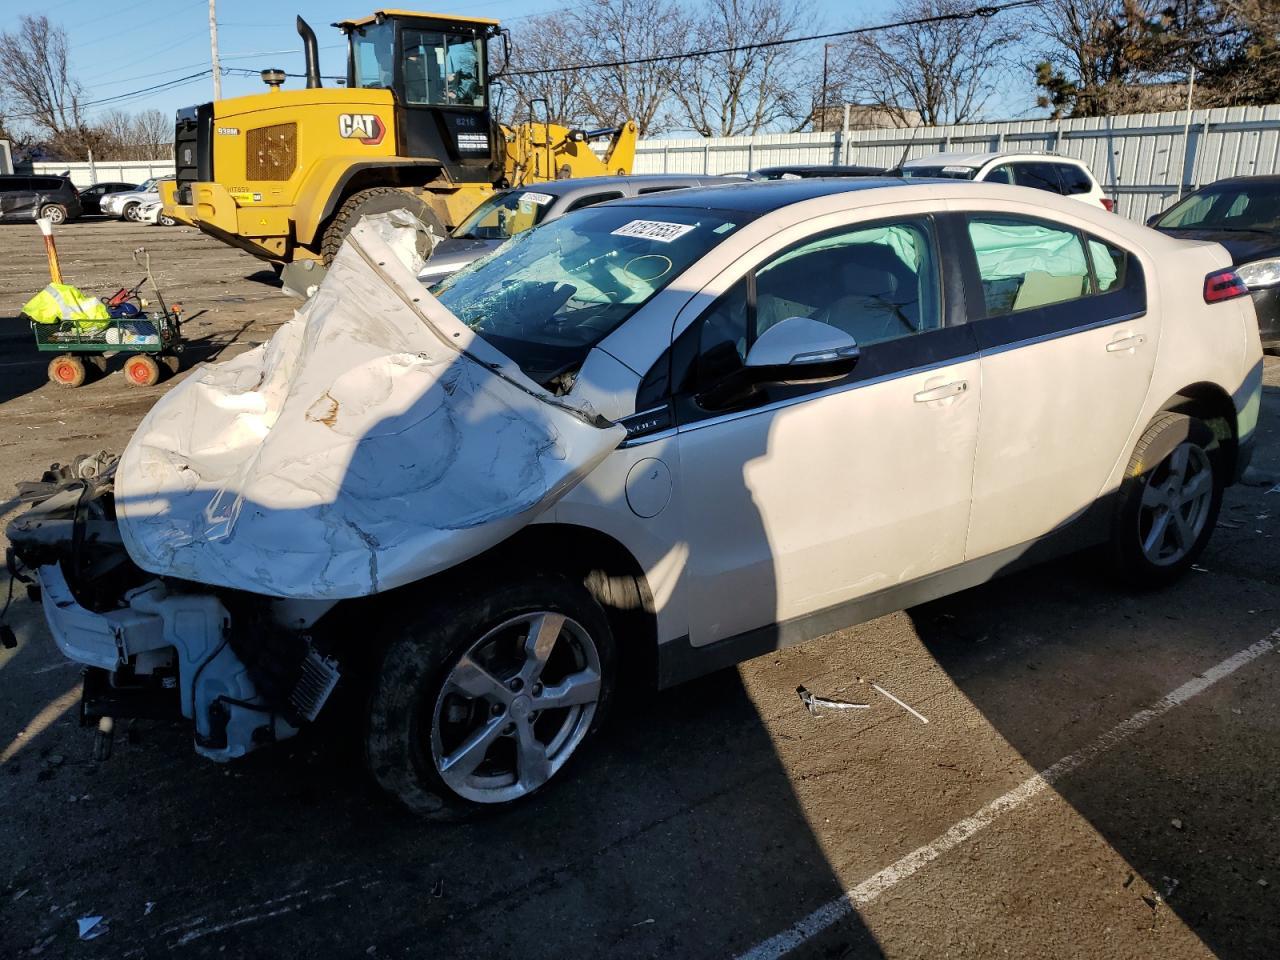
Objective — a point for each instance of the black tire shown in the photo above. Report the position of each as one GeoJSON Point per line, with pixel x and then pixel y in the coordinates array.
{"type": "Point", "coordinates": [130, 212]}
{"type": "Point", "coordinates": [55, 213]}
{"type": "Point", "coordinates": [375, 200]}
{"type": "Point", "coordinates": [165, 220]}
{"type": "Point", "coordinates": [408, 690]}
{"type": "Point", "coordinates": [171, 362]}
{"type": "Point", "coordinates": [1151, 468]}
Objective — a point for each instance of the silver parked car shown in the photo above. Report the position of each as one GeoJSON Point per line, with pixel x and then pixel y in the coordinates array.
{"type": "Point", "coordinates": [509, 212]}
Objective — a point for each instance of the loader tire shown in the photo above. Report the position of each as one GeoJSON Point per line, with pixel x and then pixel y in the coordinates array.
{"type": "Point", "coordinates": [375, 200]}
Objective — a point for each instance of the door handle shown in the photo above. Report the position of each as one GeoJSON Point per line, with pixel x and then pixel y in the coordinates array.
{"type": "Point", "coordinates": [1126, 343]}
{"type": "Point", "coordinates": [953, 389]}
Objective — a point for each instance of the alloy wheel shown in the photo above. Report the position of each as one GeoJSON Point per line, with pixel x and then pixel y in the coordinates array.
{"type": "Point", "coordinates": [515, 706]}
{"type": "Point", "coordinates": [1176, 501]}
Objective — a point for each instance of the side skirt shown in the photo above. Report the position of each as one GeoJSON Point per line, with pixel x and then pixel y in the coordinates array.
{"type": "Point", "coordinates": [679, 660]}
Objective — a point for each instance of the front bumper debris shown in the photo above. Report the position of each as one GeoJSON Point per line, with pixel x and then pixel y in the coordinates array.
{"type": "Point", "coordinates": [239, 667]}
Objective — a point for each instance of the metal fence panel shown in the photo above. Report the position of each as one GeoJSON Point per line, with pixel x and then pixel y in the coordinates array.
{"type": "Point", "coordinates": [1142, 160]}
{"type": "Point", "coordinates": [87, 174]}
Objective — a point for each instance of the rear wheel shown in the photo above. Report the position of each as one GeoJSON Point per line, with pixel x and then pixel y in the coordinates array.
{"type": "Point", "coordinates": [482, 698]}
{"type": "Point", "coordinates": [66, 371]}
{"type": "Point", "coordinates": [141, 371]}
{"type": "Point", "coordinates": [54, 212]}
{"type": "Point", "coordinates": [1169, 501]}
{"type": "Point", "coordinates": [376, 200]}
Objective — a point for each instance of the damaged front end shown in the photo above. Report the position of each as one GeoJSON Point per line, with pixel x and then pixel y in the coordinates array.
{"type": "Point", "coordinates": [374, 442]}
{"type": "Point", "coordinates": [244, 668]}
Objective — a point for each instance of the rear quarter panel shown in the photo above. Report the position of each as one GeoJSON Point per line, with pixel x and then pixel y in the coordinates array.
{"type": "Point", "coordinates": [1214, 343]}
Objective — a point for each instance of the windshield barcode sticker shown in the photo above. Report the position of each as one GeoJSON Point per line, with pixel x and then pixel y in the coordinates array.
{"type": "Point", "coordinates": [654, 230]}
{"type": "Point", "coordinates": [541, 199]}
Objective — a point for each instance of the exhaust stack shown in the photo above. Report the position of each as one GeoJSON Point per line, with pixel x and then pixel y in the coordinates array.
{"type": "Point", "coordinates": [312, 53]}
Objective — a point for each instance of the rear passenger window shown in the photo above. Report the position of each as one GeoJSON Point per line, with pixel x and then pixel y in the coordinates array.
{"type": "Point", "coordinates": [592, 199]}
{"type": "Point", "coordinates": [1024, 264]}
{"type": "Point", "coordinates": [672, 186]}
{"type": "Point", "coordinates": [1110, 265]}
{"type": "Point", "coordinates": [48, 183]}
{"type": "Point", "coordinates": [1039, 176]}
{"type": "Point", "coordinates": [1074, 180]}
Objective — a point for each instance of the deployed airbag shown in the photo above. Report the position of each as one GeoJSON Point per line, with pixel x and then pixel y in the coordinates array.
{"type": "Point", "coordinates": [373, 441]}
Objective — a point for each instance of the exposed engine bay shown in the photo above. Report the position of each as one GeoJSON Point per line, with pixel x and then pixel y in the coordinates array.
{"type": "Point", "coordinates": [243, 667]}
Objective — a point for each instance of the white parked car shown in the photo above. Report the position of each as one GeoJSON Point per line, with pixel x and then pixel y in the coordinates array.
{"type": "Point", "coordinates": [679, 430]}
{"type": "Point", "coordinates": [1040, 171]}
{"type": "Point", "coordinates": [152, 212]}
{"type": "Point", "coordinates": [129, 204]}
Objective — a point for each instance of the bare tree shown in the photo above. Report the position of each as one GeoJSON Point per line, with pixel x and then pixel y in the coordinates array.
{"type": "Point", "coordinates": [743, 91]}
{"type": "Point", "coordinates": [35, 83]}
{"type": "Point", "coordinates": [120, 135]}
{"type": "Point", "coordinates": [1102, 57]}
{"type": "Point", "coordinates": [944, 70]}
{"type": "Point", "coordinates": [630, 30]}
{"type": "Point", "coordinates": [153, 135]}
{"type": "Point", "coordinates": [542, 43]}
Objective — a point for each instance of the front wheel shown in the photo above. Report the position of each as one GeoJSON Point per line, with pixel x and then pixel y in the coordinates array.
{"type": "Point", "coordinates": [363, 203]}
{"type": "Point", "coordinates": [483, 698]}
{"type": "Point", "coordinates": [130, 212]}
{"type": "Point", "coordinates": [1168, 501]}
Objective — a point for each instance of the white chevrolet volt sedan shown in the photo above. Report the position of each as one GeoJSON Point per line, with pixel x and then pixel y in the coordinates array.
{"type": "Point", "coordinates": [672, 433]}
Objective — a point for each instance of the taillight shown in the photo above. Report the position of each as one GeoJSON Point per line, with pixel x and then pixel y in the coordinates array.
{"type": "Point", "coordinates": [1109, 204]}
{"type": "Point", "coordinates": [1224, 285]}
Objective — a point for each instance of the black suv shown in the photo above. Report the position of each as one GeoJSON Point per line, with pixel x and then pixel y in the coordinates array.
{"type": "Point", "coordinates": [24, 198]}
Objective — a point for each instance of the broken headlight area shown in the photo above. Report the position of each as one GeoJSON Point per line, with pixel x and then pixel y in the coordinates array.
{"type": "Point", "coordinates": [246, 669]}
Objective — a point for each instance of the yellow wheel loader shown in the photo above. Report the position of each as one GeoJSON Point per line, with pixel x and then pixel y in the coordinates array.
{"type": "Point", "coordinates": [287, 173]}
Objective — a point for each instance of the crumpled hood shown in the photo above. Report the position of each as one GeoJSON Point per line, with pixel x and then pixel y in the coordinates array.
{"type": "Point", "coordinates": [373, 441]}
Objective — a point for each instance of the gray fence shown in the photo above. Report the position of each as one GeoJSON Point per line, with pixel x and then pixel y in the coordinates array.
{"type": "Point", "coordinates": [1140, 159]}
{"type": "Point", "coordinates": [106, 171]}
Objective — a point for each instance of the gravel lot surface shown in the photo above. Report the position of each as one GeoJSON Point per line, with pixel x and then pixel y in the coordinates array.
{"type": "Point", "coordinates": [712, 820]}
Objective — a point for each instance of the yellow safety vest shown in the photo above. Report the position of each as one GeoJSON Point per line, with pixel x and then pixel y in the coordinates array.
{"type": "Point", "coordinates": [61, 301]}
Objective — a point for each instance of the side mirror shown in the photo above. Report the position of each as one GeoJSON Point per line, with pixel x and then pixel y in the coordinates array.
{"type": "Point", "coordinates": [1151, 220]}
{"type": "Point", "coordinates": [799, 349]}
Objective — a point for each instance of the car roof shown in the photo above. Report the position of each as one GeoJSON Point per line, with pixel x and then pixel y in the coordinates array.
{"type": "Point", "coordinates": [816, 168]}
{"type": "Point", "coordinates": [764, 196]}
{"type": "Point", "coordinates": [1255, 178]}
{"type": "Point", "coordinates": [571, 185]}
{"type": "Point", "coordinates": [980, 159]}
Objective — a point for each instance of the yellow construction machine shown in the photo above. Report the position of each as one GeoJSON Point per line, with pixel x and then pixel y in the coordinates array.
{"type": "Point", "coordinates": [286, 174]}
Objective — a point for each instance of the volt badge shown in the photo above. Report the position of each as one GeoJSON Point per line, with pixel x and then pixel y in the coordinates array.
{"type": "Point", "coordinates": [368, 128]}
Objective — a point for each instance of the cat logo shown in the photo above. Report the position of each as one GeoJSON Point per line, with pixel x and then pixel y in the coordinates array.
{"type": "Point", "coordinates": [368, 128]}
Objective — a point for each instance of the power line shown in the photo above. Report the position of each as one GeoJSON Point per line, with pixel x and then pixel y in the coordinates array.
{"type": "Point", "coordinates": [989, 11]}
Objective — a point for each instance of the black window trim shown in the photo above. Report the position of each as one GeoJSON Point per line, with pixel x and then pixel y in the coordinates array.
{"type": "Point", "coordinates": [1066, 318]}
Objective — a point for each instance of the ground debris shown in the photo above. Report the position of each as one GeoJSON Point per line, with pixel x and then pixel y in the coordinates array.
{"type": "Point", "coordinates": [90, 928]}
{"type": "Point", "coordinates": [1176, 823]}
{"type": "Point", "coordinates": [911, 710]}
{"type": "Point", "coordinates": [814, 703]}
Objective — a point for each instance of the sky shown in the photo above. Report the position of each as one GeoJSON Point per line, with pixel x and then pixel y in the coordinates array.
{"type": "Point", "coordinates": [120, 46]}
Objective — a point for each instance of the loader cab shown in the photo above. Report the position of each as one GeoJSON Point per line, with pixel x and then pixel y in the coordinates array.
{"type": "Point", "coordinates": [437, 69]}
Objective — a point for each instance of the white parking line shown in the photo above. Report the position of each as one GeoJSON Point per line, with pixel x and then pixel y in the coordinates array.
{"type": "Point", "coordinates": [870, 889]}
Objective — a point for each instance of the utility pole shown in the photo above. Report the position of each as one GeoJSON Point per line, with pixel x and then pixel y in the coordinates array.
{"type": "Point", "coordinates": [213, 50]}
{"type": "Point", "coordinates": [1186, 130]}
{"type": "Point", "coordinates": [822, 110]}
